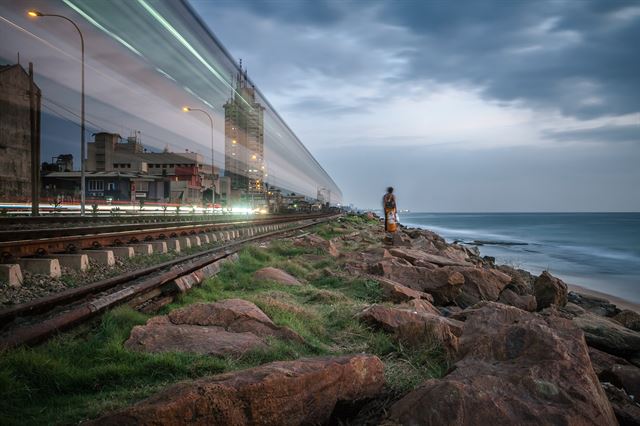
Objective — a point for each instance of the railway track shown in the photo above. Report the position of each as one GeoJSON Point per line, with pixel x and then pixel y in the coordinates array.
{"type": "Point", "coordinates": [41, 242]}
{"type": "Point", "coordinates": [147, 289]}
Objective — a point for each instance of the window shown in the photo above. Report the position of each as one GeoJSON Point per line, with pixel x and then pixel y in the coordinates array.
{"type": "Point", "coordinates": [96, 185]}
{"type": "Point", "coordinates": [111, 186]}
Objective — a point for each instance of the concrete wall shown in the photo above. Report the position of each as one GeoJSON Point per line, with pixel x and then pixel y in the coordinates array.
{"type": "Point", "coordinates": [15, 135]}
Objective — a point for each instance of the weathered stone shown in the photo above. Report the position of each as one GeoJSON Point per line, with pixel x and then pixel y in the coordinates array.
{"type": "Point", "coordinates": [159, 334]}
{"type": "Point", "coordinates": [626, 377]}
{"type": "Point", "coordinates": [231, 326]}
{"type": "Point", "coordinates": [525, 302]}
{"type": "Point", "coordinates": [277, 275]}
{"type": "Point", "coordinates": [609, 336]}
{"type": "Point", "coordinates": [398, 293]}
{"type": "Point", "coordinates": [549, 290]}
{"type": "Point", "coordinates": [521, 280]}
{"type": "Point", "coordinates": [626, 409]}
{"type": "Point", "coordinates": [102, 257]}
{"type": "Point", "coordinates": [300, 392]}
{"type": "Point", "coordinates": [420, 306]}
{"type": "Point", "coordinates": [313, 240]}
{"type": "Point", "coordinates": [235, 315]}
{"type": "Point", "coordinates": [593, 304]}
{"type": "Point", "coordinates": [123, 252]}
{"type": "Point", "coordinates": [41, 266]}
{"type": "Point", "coordinates": [481, 284]}
{"type": "Point", "coordinates": [444, 284]}
{"type": "Point", "coordinates": [603, 362]}
{"type": "Point", "coordinates": [417, 255]}
{"type": "Point", "coordinates": [76, 261]}
{"type": "Point", "coordinates": [414, 328]}
{"type": "Point", "coordinates": [515, 367]}
{"type": "Point", "coordinates": [629, 319]}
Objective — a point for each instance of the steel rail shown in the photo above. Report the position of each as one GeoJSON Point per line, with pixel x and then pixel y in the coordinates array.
{"type": "Point", "coordinates": [70, 243]}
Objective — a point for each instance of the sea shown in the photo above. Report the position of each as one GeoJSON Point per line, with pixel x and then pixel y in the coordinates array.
{"type": "Point", "coordinates": [598, 251]}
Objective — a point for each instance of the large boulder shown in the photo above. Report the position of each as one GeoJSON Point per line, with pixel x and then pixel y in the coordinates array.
{"type": "Point", "coordinates": [594, 304]}
{"type": "Point", "coordinates": [515, 367]}
{"type": "Point", "coordinates": [608, 335]}
{"type": "Point", "coordinates": [481, 284]}
{"type": "Point", "coordinates": [549, 290]}
{"type": "Point", "coordinates": [603, 362]}
{"type": "Point", "coordinates": [525, 302]}
{"type": "Point", "coordinates": [305, 391]}
{"type": "Point", "coordinates": [444, 284]}
{"type": "Point", "coordinates": [629, 319]}
{"type": "Point", "coordinates": [521, 280]}
{"type": "Point", "coordinates": [398, 293]}
{"type": "Point", "coordinates": [418, 256]}
{"type": "Point", "coordinates": [276, 275]}
{"type": "Point", "coordinates": [414, 328]}
{"type": "Point", "coordinates": [231, 326]}
{"type": "Point", "coordinates": [159, 334]}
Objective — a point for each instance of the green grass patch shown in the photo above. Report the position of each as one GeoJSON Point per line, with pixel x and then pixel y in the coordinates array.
{"type": "Point", "coordinates": [84, 373]}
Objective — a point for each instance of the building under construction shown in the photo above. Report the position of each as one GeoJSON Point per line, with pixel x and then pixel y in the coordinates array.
{"type": "Point", "coordinates": [244, 142]}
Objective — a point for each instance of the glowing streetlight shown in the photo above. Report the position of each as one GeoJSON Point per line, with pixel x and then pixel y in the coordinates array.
{"type": "Point", "coordinates": [213, 175]}
{"type": "Point", "coordinates": [38, 14]}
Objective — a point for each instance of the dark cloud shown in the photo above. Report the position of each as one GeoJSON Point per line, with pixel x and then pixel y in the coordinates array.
{"type": "Point", "coordinates": [577, 56]}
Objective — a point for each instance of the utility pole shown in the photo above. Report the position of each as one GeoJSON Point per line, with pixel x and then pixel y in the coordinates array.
{"type": "Point", "coordinates": [34, 120]}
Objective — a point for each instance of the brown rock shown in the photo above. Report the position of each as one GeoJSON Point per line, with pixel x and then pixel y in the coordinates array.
{"type": "Point", "coordinates": [481, 284]}
{"type": "Point", "coordinates": [609, 336]}
{"type": "Point", "coordinates": [398, 293]}
{"type": "Point", "coordinates": [414, 328]}
{"type": "Point", "coordinates": [595, 305]}
{"type": "Point", "coordinates": [444, 284]}
{"type": "Point", "coordinates": [626, 409]}
{"type": "Point", "coordinates": [626, 377]}
{"type": "Point", "coordinates": [413, 256]}
{"type": "Point", "coordinates": [420, 306]}
{"type": "Point", "coordinates": [231, 326]}
{"type": "Point", "coordinates": [277, 275]}
{"type": "Point", "coordinates": [549, 290]}
{"type": "Point", "coordinates": [515, 367]}
{"type": "Point", "coordinates": [160, 335]}
{"type": "Point", "coordinates": [521, 280]}
{"type": "Point", "coordinates": [316, 241]}
{"type": "Point", "coordinates": [510, 297]}
{"type": "Point", "coordinates": [603, 362]}
{"type": "Point", "coordinates": [629, 319]}
{"type": "Point", "coordinates": [304, 391]}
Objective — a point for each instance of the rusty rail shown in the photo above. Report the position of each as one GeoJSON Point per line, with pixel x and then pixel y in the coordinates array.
{"type": "Point", "coordinates": [96, 237]}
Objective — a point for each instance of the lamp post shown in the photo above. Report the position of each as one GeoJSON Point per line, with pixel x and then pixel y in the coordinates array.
{"type": "Point", "coordinates": [37, 14]}
{"type": "Point", "coordinates": [213, 174]}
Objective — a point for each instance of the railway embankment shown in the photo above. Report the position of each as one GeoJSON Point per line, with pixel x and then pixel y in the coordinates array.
{"type": "Point", "coordinates": [333, 325]}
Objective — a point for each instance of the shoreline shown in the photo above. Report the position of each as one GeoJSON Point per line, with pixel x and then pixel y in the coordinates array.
{"type": "Point", "coordinates": [618, 301]}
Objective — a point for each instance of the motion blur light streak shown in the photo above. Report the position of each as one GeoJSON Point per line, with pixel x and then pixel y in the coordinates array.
{"type": "Point", "coordinates": [145, 60]}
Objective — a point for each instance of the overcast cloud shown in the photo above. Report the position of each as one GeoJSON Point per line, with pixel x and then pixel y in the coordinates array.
{"type": "Point", "coordinates": [463, 106]}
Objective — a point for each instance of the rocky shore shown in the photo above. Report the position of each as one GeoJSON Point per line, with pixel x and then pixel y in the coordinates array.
{"type": "Point", "coordinates": [517, 348]}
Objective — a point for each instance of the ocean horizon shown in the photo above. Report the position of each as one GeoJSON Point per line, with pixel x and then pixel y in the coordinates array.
{"type": "Point", "coordinates": [599, 251]}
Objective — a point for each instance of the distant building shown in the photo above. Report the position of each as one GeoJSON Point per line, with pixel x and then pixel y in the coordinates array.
{"type": "Point", "coordinates": [185, 177]}
{"type": "Point", "coordinates": [244, 141]}
{"type": "Point", "coordinates": [115, 186]}
{"type": "Point", "coordinates": [61, 163]}
{"type": "Point", "coordinates": [15, 133]}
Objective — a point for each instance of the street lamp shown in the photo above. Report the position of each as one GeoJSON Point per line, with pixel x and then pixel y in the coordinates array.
{"type": "Point", "coordinates": [213, 175]}
{"type": "Point", "coordinates": [37, 14]}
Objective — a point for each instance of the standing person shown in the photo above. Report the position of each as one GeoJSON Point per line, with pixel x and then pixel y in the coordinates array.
{"type": "Point", "coordinates": [390, 213]}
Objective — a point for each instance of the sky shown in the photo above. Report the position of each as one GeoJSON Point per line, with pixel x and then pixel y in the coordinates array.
{"type": "Point", "coordinates": [461, 106]}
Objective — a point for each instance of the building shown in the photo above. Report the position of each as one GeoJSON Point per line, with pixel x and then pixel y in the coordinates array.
{"type": "Point", "coordinates": [109, 186]}
{"type": "Point", "coordinates": [244, 142]}
{"type": "Point", "coordinates": [187, 179]}
{"type": "Point", "coordinates": [18, 160]}
{"type": "Point", "coordinates": [61, 163]}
